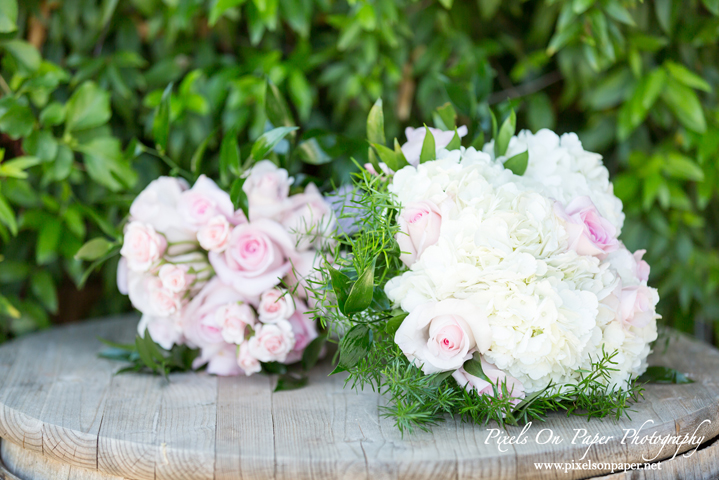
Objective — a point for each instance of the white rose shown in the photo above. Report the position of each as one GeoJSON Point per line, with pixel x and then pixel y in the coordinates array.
{"type": "Point", "coordinates": [142, 246]}
{"type": "Point", "coordinates": [246, 361]}
{"type": "Point", "coordinates": [267, 188]}
{"type": "Point", "coordinates": [174, 278]}
{"type": "Point", "coordinates": [441, 336]}
{"type": "Point", "coordinates": [233, 320]}
{"type": "Point", "coordinates": [215, 234]}
{"type": "Point", "coordinates": [157, 205]}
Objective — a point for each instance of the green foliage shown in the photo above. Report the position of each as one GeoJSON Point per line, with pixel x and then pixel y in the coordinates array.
{"type": "Point", "coordinates": [88, 119]}
{"type": "Point", "coordinates": [144, 355]}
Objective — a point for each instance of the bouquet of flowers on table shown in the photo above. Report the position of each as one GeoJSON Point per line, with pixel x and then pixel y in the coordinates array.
{"type": "Point", "coordinates": [231, 283]}
{"type": "Point", "coordinates": [488, 281]}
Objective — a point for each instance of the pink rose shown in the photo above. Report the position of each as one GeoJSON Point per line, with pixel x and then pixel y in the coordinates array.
{"type": "Point", "coordinates": [157, 205]}
{"type": "Point", "coordinates": [636, 305]}
{"type": "Point", "coordinates": [267, 188]}
{"type": "Point", "coordinates": [174, 278]}
{"type": "Point", "coordinates": [204, 201]}
{"type": "Point", "coordinates": [497, 376]}
{"type": "Point", "coordinates": [200, 317]}
{"type": "Point", "coordinates": [309, 219]}
{"type": "Point", "coordinates": [272, 341]}
{"type": "Point", "coordinates": [441, 336]}
{"type": "Point", "coordinates": [383, 166]}
{"type": "Point", "coordinates": [142, 246]}
{"type": "Point", "coordinates": [233, 320]}
{"type": "Point", "coordinates": [642, 266]}
{"type": "Point", "coordinates": [163, 302]}
{"type": "Point", "coordinates": [275, 305]}
{"type": "Point", "coordinates": [257, 257]}
{"type": "Point", "coordinates": [589, 232]}
{"type": "Point", "coordinates": [419, 224]}
{"type": "Point", "coordinates": [304, 329]}
{"type": "Point", "coordinates": [165, 331]}
{"type": "Point", "coordinates": [213, 236]}
{"type": "Point", "coordinates": [246, 361]}
{"type": "Point", "coordinates": [415, 138]}
{"type": "Point", "coordinates": [221, 359]}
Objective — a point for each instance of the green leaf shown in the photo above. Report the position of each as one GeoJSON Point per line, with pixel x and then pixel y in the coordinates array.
{"type": "Point", "coordinates": [360, 295]}
{"type": "Point", "coordinates": [276, 107]}
{"type": "Point", "coordinates": [53, 114]}
{"type": "Point", "coordinates": [274, 368]}
{"type": "Point", "coordinates": [429, 151]}
{"type": "Point", "coordinates": [24, 53]}
{"type": "Point", "coordinates": [563, 37]}
{"type": "Point", "coordinates": [518, 163]}
{"type": "Point", "coordinates": [488, 8]}
{"type": "Point", "coordinates": [340, 286]}
{"type": "Point", "coordinates": [144, 351]}
{"type": "Point", "coordinates": [685, 105]}
{"type": "Point", "coordinates": [94, 249]}
{"type": "Point", "coordinates": [354, 346]}
{"type": "Point", "coordinates": [239, 197]}
{"type": "Point", "coordinates": [43, 287]}
{"type": "Point", "coordinates": [375, 124]}
{"type": "Point", "coordinates": [473, 366]}
{"type": "Point", "coordinates": [48, 240]}
{"type": "Point", "coordinates": [17, 166]}
{"type": "Point", "coordinates": [390, 157]}
{"type": "Point", "coordinates": [447, 117]}
{"type": "Point", "coordinates": [455, 143]}
{"type": "Point", "coordinates": [7, 308]}
{"type": "Point", "coordinates": [478, 141]}
{"type": "Point", "coordinates": [394, 323]}
{"type": "Point", "coordinates": [617, 11]}
{"type": "Point", "coordinates": [106, 164]}
{"type": "Point", "coordinates": [88, 107]}
{"type": "Point", "coordinates": [446, 3]}
{"type": "Point", "coordinates": [635, 110]}
{"type": "Point", "coordinates": [686, 76]}
{"type": "Point", "coordinates": [712, 6]}
{"type": "Point", "coordinates": [7, 216]}
{"type": "Point", "coordinates": [663, 10]}
{"type": "Point", "coordinates": [312, 352]}
{"type": "Point", "coordinates": [581, 6]}
{"type": "Point", "coordinates": [108, 9]}
{"type": "Point", "coordinates": [290, 381]}
{"type": "Point", "coordinates": [18, 120]}
{"type": "Point", "coordinates": [679, 166]}
{"type": "Point", "coordinates": [501, 142]}
{"type": "Point", "coordinates": [220, 7]}
{"type": "Point", "coordinates": [41, 144]}
{"type": "Point", "coordinates": [657, 374]}
{"type": "Point", "coordinates": [196, 160]}
{"type": "Point", "coordinates": [312, 153]}
{"type": "Point", "coordinates": [268, 141]}
{"type": "Point", "coordinates": [161, 122]}
{"type": "Point", "coordinates": [8, 16]}
{"type": "Point", "coordinates": [230, 154]}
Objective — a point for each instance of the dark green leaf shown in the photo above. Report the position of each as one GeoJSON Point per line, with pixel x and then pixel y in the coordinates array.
{"type": "Point", "coordinates": [616, 10]}
{"type": "Point", "coordinates": [311, 152]}
{"type": "Point", "coordinates": [48, 240]}
{"type": "Point", "coordinates": [230, 154]}
{"type": "Point", "coordinates": [106, 163]}
{"type": "Point", "coordinates": [17, 121]}
{"type": "Point", "coordinates": [290, 381]}
{"type": "Point", "coordinates": [663, 9]}
{"type": "Point", "coordinates": [429, 151]}
{"type": "Point", "coordinates": [7, 308]}
{"type": "Point", "coordinates": [196, 160]}
{"type": "Point", "coordinates": [43, 287]}
{"type": "Point", "coordinates": [312, 352]}
{"type": "Point", "coordinates": [88, 107]}
{"type": "Point", "coordinates": [394, 323]}
{"type": "Point", "coordinates": [686, 76]}
{"type": "Point", "coordinates": [684, 103]}
{"type": "Point", "coordinates": [239, 197]}
{"type": "Point", "coordinates": [354, 346]}
{"type": "Point", "coordinates": [340, 286]}
{"type": "Point", "coordinates": [220, 7]}
{"type": "Point", "coordinates": [276, 107]}
{"type": "Point", "coordinates": [275, 368]}
{"type": "Point", "coordinates": [447, 117]}
{"type": "Point", "coordinates": [473, 366]}
{"type": "Point", "coordinates": [657, 374]}
{"type": "Point", "coordinates": [360, 295]}
{"type": "Point", "coordinates": [161, 122]}
{"type": "Point", "coordinates": [24, 53]}
{"type": "Point", "coordinates": [144, 351]}
{"type": "Point", "coordinates": [518, 163]}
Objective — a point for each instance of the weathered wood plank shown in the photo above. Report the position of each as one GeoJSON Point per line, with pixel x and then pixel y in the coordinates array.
{"type": "Point", "coordinates": [61, 404]}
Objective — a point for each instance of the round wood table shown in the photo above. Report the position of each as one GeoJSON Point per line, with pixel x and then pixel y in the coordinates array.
{"type": "Point", "coordinates": [65, 415]}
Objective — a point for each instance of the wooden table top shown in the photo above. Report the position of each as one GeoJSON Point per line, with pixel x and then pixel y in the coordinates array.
{"type": "Point", "coordinates": [61, 406]}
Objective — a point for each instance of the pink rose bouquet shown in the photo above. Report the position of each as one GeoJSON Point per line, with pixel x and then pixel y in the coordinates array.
{"type": "Point", "coordinates": [207, 277]}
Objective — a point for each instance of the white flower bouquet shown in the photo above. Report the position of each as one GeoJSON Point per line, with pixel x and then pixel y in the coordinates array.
{"type": "Point", "coordinates": [224, 280]}
{"type": "Point", "coordinates": [489, 282]}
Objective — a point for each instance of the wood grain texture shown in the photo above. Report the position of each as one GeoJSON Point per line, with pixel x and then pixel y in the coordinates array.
{"type": "Point", "coordinates": [64, 415]}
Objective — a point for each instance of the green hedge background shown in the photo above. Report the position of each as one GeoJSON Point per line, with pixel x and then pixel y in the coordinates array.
{"type": "Point", "coordinates": [83, 118]}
